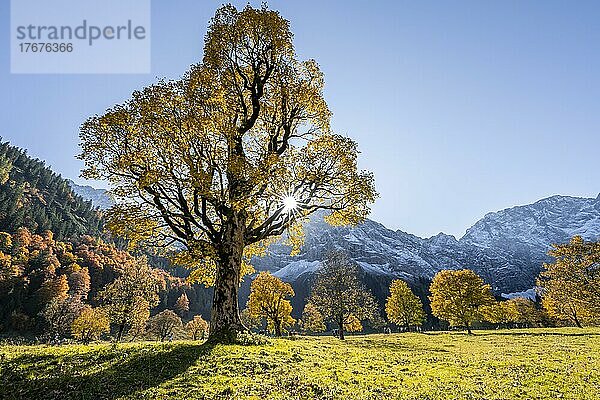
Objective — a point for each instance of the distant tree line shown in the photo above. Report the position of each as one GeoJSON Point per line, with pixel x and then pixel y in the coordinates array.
{"type": "Point", "coordinates": [568, 289]}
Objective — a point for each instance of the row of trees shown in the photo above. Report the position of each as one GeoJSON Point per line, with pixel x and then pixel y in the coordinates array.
{"type": "Point", "coordinates": [337, 296]}
{"type": "Point", "coordinates": [569, 290]}
{"type": "Point", "coordinates": [93, 322]}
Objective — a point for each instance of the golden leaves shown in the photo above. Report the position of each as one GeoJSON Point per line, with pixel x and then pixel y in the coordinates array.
{"type": "Point", "coordinates": [130, 222]}
{"type": "Point", "coordinates": [268, 299]}
{"type": "Point", "coordinates": [457, 296]}
{"type": "Point", "coordinates": [402, 306]}
{"type": "Point", "coordinates": [569, 285]}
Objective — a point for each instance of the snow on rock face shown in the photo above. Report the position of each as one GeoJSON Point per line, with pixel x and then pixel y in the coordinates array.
{"type": "Point", "coordinates": [556, 218]}
{"type": "Point", "coordinates": [527, 294]}
{"type": "Point", "coordinates": [295, 269]}
{"type": "Point", "coordinates": [506, 248]}
{"type": "Point", "coordinates": [100, 198]}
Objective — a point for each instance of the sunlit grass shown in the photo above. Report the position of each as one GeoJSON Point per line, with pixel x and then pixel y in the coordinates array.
{"type": "Point", "coordinates": [515, 364]}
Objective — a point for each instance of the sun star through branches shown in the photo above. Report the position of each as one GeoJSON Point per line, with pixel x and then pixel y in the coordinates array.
{"type": "Point", "coordinates": [289, 204]}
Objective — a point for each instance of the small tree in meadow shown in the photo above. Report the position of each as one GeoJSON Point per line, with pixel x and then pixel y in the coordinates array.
{"type": "Point", "coordinates": [524, 312]}
{"type": "Point", "coordinates": [269, 300]}
{"type": "Point", "coordinates": [403, 307]}
{"type": "Point", "coordinates": [59, 315]}
{"type": "Point", "coordinates": [197, 328]}
{"type": "Point", "coordinates": [570, 286]}
{"type": "Point", "coordinates": [459, 297]}
{"type": "Point", "coordinates": [312, 319]}
{"type": "Point", "coordinates": [498, 312]}
{"type": "Point", "coordinates": [90, 324]}
{"type": "Point", "coordinates": [339, 295]}
{"type": "Point", "coordinates": [129, 298]}
{"type": "Point", "coordinates": [517, 311]}
{"type": "Point", "coordinates": [164, 324]}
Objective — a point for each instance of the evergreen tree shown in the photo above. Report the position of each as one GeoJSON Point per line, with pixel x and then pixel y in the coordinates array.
{"type": "Point", "coordinates": [34, 197]}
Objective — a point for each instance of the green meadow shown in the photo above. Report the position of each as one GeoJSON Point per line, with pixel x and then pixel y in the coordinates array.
{"type": "Point", "coordinates": [502, 364]}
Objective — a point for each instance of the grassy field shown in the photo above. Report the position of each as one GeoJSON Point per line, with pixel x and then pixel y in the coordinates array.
{"type": "Point", "coordinates": [512, 364]}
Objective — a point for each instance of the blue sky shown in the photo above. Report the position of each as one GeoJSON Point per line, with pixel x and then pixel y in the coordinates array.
{"type": "Point", "coordinates": [459, 108]}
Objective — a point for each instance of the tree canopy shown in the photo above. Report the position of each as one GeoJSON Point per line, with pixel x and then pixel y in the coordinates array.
{"type": "Point", "coordinates": [130, 297]}
{"type": "Point", "coordinates": [237, 151]}
{"type": "Point", "coordinates": [164, 324]}
{"type": "Point", "coordinates": [339, 295]}
{"type": "Point", "coordinates": [197, 327]}
{"type": "Point", "coordinates": [90, 324]}
{"type": "Point", "coordinates": [269, 300]}
{"type": "Point", "coordinates": [403, 307]}
{"type": "Point", "coordinates": [458, 297]}
{"type": "Point", "coordinates": [570, 286]}
{"type": "Point", "coordinates": [312, 319]}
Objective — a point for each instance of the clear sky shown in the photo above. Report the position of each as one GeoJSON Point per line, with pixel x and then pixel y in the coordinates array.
{"type": "Point", "coordinates": [459, 108]}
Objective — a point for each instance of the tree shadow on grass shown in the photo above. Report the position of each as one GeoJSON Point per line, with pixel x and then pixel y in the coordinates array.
{"type": "Point", "coordinates": [140, 369]}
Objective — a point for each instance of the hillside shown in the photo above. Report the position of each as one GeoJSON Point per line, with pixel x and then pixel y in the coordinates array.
{"type": "Point", "coordinates": [519, 364]}
{"type": "Point", "coordinates": [34, 197]}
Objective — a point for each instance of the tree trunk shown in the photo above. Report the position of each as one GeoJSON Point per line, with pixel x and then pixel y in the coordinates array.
{"type": "Point", "coordinates": [120, 333]}
{"type": "Point", "coordinates": [277, 328]}
{"type": "Point", "coordinates": [341, 331]}
{"type": "Point", "coordinates": [469, 329]}
{"type": "Point", "coordinates": [576, 320]}
{"type": "Point", "coordinates": [225, 322]}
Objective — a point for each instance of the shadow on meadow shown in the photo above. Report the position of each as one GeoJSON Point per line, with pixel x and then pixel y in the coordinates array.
{"type": "Point", "coordinates": [113, 373]}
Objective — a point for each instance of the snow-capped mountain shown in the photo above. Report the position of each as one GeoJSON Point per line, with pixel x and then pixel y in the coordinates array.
{"type": "Point", "coordinates": [552, 220]}
{"type": "Point", "coordinates": [100, 198]}
{"type": "Point", "coordinates": [507, 248]}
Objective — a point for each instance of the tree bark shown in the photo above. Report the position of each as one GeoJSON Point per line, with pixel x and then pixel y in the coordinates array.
{"type": "Point", "coordinates": [277, 328]}
{"type": "Point", "coordinates": [120, 332]}
{"type": "Point", "coordinates": [225, 322]}
{"type": "Point", "coordinates": [341, 330]}
{"type": "Point", "coordinates": [576, 320]}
